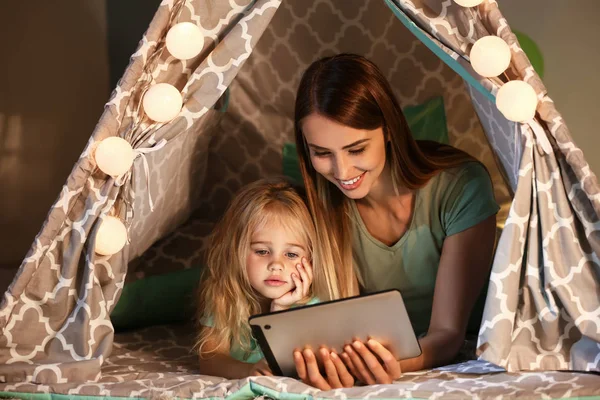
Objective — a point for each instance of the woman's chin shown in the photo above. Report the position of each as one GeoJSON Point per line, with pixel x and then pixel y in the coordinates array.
{"type": "Point", "coordinates": [355, 194]}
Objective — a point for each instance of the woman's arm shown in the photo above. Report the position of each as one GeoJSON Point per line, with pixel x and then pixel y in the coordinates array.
{"type": "Point", "coordinates": [462, 273]}
{"type": "Point", "coordinates": [217, 362]}
{"type": "Point", "coordinates": [463, 270]}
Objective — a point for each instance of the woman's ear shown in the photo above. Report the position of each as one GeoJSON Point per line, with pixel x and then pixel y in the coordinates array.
{"type": "Point", "coordinates": [386, 134]}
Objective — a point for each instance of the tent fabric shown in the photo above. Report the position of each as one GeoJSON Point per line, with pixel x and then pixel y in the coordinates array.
{"type": "Point", "coordinates": [542, 306]}
{"type": "Point", "coordinates": [156, 363]}
{"type": "Point", "coordinates": [544, 285]}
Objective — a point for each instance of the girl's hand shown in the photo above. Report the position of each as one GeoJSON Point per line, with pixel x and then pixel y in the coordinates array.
{"type": "Point", "coordinates": [337, 375]}
{"type": "Point", "coordinates": [362, 362]}
{"type": "Point", "coordinates": [261, 368]}
{"type": "Point", "coordinates": [302, 279]}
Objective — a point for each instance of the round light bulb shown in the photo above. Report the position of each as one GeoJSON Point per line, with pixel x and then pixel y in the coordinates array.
{"type": "Point", "coordinates": [468, 3]}
{"type": "Point", "coordinates": [185, 40]}
{"type": "Point", "coordinates": [517, 101]}
{"type": "Point", "coordinates": [110, 237]}
{"type": "Point", "coordinates": [114, 156]}
{"type": "Point", "coordinates": [162, 102]}
{"type": "Point", "coordinates": [490, 56]}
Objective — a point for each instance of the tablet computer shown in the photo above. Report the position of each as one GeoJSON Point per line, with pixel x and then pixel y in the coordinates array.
{"type": "Point", "coordinates": [381, 316]}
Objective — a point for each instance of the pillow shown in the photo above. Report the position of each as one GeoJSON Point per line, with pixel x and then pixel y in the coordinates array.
{"type": "Point", "coordinates": [427, 121]}
{"type": "Point", "coordinates": [291, 166]}
{"type": "Point", "coordinates": [157, 299]}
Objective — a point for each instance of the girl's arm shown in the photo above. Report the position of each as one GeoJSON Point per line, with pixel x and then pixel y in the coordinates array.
{"type": "Point", "coordinates": [217, 362]}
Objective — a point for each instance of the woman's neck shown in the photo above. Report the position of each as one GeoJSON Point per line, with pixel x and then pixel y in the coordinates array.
{"type": "Point", "coordinates": [383, 193]}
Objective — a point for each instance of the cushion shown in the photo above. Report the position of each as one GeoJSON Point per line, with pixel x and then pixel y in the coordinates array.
{"type": "Point", "coordinates": [427, 121]}
{"type": "Point", "coordinates": [157, 299]}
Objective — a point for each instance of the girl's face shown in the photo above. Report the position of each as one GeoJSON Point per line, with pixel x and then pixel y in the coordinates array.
{"type": "Point", "coordinates": [275, 250]}
{"type": "Point", "coordinates": [352, 159]}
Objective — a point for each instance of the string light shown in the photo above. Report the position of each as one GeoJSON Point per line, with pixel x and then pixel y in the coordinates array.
{"type": "Point", "coordinates": [185, 40]}
{"type": "Point", "coordinates": [517, 101]}
{"type": "Point", "coordinates": [490, 56]}
{"type": "Point", "coordinates": [114, 156]}
{"type": "Point", "coordinates": [111, 236]}
{"type": "Point", "coordinates": [162, 102]}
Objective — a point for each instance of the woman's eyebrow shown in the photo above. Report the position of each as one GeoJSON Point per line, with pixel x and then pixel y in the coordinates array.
{"type": "Point", "coordinates": [314, 146]}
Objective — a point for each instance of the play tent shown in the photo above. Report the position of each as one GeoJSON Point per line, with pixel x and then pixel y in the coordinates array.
{"type": "Point", "coordinates": [541, 319]}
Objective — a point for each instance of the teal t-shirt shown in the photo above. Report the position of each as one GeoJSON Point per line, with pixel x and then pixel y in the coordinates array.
{"type": "Point", "coordinates": [451, 202]}
{"type": "Point", "coordinates": [236, 349]}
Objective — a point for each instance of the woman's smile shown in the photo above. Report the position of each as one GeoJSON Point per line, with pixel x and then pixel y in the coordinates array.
{"type": "Point", "coordinates": [353, 183]}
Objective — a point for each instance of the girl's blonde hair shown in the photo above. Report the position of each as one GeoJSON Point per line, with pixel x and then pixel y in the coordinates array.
{"type": "Point", "coordinates": [225, 293]}
{"type": "Point", "coordinates": [352, 91]}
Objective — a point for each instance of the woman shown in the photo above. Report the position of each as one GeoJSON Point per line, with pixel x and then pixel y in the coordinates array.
{"type": "Point", "coordinates": [416, 216]}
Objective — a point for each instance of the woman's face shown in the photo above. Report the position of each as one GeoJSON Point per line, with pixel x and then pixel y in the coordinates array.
{"type": "Point", "coordinates": [352, 159]}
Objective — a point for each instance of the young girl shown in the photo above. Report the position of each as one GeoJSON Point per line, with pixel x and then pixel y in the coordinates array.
{"type": "Point", "coordinates": [261, 259]}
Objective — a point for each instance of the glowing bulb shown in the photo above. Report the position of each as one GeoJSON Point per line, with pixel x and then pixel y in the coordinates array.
{"type": "Point", "coordinates": [185, 40]}
{"type": "Point", "coordinates": [111, 236]}
{"type": "Point", "coordinates": [490, 56]}
{"type": "Point", "coordinates": [468, 3]}
{"type": "Point", "coordinates": [114, 156]}
{"type": "Point", "coordinates": [517, 101]}
{"type": "Point", "coordinates": [162, 102]}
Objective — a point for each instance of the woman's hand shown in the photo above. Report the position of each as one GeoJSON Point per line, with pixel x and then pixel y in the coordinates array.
{"type": "Point", "coordinates": [302, 279]}
{"type": "Point", "coordinates": [261, 368]}
{"type": "Point", "coordinates": [362, 361]}
{"type": "Point", "coordinates": [337, 375]}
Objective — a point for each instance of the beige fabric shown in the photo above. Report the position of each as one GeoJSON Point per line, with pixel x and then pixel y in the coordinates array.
{"type": "Point", "coordinates": [543, 304]}
{"type": "Point", "coordinates": [156, 363]}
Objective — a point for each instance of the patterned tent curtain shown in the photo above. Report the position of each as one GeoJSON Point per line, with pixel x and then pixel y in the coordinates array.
{"type": "Point", "coordinates": [55, 315]}
{"type": "Point", "coordinates": [543, 305]}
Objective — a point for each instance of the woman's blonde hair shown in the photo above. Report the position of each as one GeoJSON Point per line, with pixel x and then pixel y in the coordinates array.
{"type": "Point", "coordinates": [225, 294]}
{"type": "Point", "coordinates": [352, 91]}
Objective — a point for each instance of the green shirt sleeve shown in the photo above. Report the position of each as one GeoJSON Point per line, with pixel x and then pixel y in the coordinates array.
{"type": "Point", "coordinates": [469, 199]}
{"type": "Point", "coordinates": [207, 320]}
{"type": "Point", "coordinates": [314, 300]}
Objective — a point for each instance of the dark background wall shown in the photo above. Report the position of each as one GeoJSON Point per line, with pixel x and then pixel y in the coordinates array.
{"type": "Point", "coordinates": [127, 20]}
{"type": "Point", "coordinates": [60, 61]}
